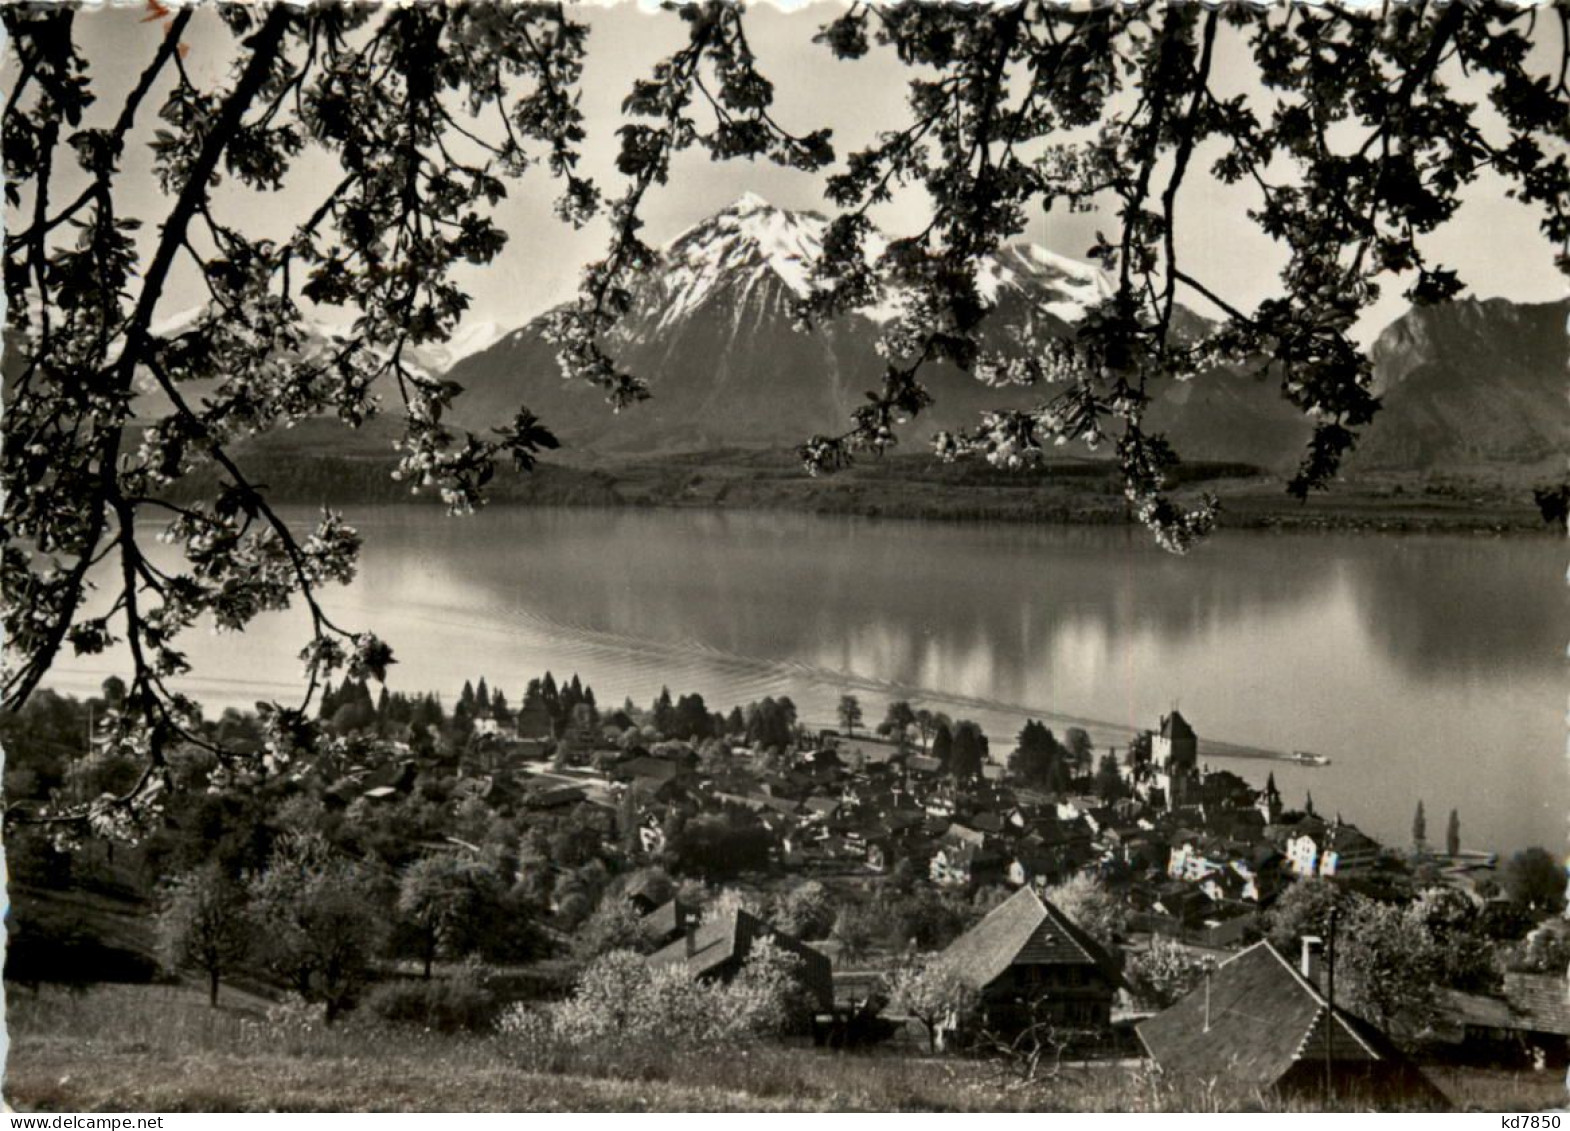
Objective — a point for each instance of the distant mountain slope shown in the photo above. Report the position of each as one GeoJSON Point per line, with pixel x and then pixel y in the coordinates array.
{"type": "Point", "coordinates": [1473, 381]}
{"type": "Point", "coordinates": [1466, 383]}
{"type": "Point", "coordinates": [1235, 415]}
{"type": "Point", "coordinates": [711, 331]}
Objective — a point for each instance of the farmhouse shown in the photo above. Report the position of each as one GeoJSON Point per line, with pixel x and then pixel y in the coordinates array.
{"type": "Point", "coordinates": [1259, 1022]}
{"type": "Point", "coordinates": [720, 948]}
{"type": "Point", "coordinates": [1030, 965]}
{"type": "Point", "coordinates": [1527, 1021]}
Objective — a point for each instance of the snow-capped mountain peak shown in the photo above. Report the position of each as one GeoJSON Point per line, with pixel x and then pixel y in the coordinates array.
{"type": "Point", "coordinates": [1063, 287]}
{"type": "Point", "coordinates": [751, 240]}
{"type": "Point", "coordinates": [468, 338]}
{"type": "Point", "coordinates": [743, 244]}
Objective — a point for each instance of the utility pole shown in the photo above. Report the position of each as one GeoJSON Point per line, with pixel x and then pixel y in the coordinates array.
{"type": "Point", "coordinates": [78, 786]}
{"type": "Point", "coordinates": [1330, 1006]}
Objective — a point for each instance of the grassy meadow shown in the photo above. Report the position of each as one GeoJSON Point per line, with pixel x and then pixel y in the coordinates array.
{"type": "Point", "coordinates": [160, 1048]}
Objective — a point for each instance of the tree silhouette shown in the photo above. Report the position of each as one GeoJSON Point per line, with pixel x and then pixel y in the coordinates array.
{"type": "Point", "coordinates": [204, 923]}
{"type": "Point", "coordinates": [969, 751]}
{"type": "Point", "coordinates": [849, 713]}
{"type": "Point", "coordinates": [1534, 879]}
{"type": "Point", "coordinates": [943, 744]}
{"type": "Point", "coordinates": [897, 721]}
{"type": "Point", "coordinates": [1109, 784]}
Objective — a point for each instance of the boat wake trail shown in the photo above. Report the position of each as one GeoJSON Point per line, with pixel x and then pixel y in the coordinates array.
{"type": "Point", "coordinates": [637, 666]}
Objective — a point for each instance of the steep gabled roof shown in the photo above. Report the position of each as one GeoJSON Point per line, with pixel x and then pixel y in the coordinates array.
{"type": "Point", "coordinates": [732, 936]}
{"type": "Point", "coordinates": [670, 919]}
{"type": "Point", "coordinates": [1348, 838]}
{"type": "Point", "coordinates": [1024, 930]}
{"type": "Point", "coordinates": [714, 943]}
{"type": "Point", "coordinates": [961, 834]}
{"type": "Point", "coordinates": [1257, 1018]}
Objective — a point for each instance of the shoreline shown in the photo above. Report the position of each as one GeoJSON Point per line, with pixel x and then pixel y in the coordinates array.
{"type": "Point", "coordinates": [1492, 502]}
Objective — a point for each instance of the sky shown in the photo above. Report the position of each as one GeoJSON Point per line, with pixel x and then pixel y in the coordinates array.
{"type": "Point", "coordinates": [1493, 242]}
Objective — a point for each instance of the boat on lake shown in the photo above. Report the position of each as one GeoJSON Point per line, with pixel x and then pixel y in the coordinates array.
{"type": "Point", "coordinates": [1308, 758]}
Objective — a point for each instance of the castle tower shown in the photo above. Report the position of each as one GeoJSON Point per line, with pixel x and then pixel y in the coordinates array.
{"type": "Point", "coordinates": [1175, 747]}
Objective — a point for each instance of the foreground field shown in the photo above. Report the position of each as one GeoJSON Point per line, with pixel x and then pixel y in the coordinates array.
{"type": "Point", "coordinates": [159, 1048]}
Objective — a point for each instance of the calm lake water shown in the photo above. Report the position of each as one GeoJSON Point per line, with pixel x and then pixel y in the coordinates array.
{"type": "Point", "coordinates": [1426, 667]}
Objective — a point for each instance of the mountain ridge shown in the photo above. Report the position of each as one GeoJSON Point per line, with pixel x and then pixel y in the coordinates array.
{"type": "Point", "coordinates": [713, 330]}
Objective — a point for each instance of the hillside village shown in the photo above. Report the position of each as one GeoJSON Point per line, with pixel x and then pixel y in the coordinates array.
{"type": "Point", "coordinates": [918, 888]}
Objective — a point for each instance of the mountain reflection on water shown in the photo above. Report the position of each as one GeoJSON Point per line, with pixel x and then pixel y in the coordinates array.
{"type": "Point", "coordinates": [1425, 666]}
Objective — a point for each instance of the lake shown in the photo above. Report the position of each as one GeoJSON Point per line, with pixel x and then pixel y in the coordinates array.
{"type": "Point", "coordinates": [1425, 667]}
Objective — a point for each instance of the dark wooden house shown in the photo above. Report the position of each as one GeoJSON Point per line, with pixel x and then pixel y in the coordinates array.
{"type": "Point", "coordinates": [719, 949]}
{"type": "Point", "coordinates": [1258, 1023]}
{"type": "Point", "coordinates": [1031, 966]}
{"type": "Point", "coordinates": [1527, 1022]}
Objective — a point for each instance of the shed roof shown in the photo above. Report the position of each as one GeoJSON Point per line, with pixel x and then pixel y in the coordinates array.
{"type": "Point", "coordinates": [1543, 999]}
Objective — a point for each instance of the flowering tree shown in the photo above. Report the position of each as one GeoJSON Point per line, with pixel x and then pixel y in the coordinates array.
{"type": "Point", "coordinates": [932, 991]}
{"type": "Point", "coordinates": [1387, 966]}
{"type": "Point", "coordinates": [325, 921]}
{"type": "Point", "coordinates": [392, 99]}
{"type": "Point", "coordinates": [620, 1000]}
{"type": "Point", "coordinates": [615, 925]}
{"type": "Point", "coordinates": [1349, 135]}
{"type": "Point", "coordinates": [205, 923]}
{"type": "Point", "coordinates": [1163, 972]}
{"type": "Point", "coordinates": [1090, 907]}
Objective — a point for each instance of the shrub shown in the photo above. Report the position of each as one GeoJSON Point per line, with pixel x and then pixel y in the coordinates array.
{"type": "Point", "coordinates": [622, 1005]}
{"type": "Point", "coordinates": [615, 925]}
{"type": "Point", "coordinates": [531, 1029]}
{"type": "Point", "coordinates": [808, 911]}
{"type": "Point", "coordinates": [460, 1004]}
